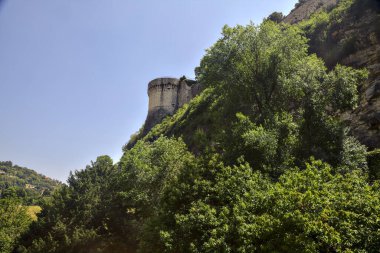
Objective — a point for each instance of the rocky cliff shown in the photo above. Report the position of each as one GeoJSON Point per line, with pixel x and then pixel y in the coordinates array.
{"type": "Point", "coordinates": [351, 39]}
{"type": "Point", "coordinates": [304, 9]}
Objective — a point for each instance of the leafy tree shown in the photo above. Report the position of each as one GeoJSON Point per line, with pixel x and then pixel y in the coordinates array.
{"type": "Point", "coordinates": [314, 210]}
{"type": "Point", "coordinates": [275, 17]}
{"type": "Point", "coordinates": [103, 209]}
{"type": "Point", "coordinates": [353, 155]}
{"type": "Point", "coordinates": [13, 222]}
{"type": "Point", "coordinates": [146, 172]}
{"type": "Point", "coordinates": [75, 218]}
{"type": "Point", "coordinates": [373, 158]}
{"type": "Point", "coordinates": [266, 73]}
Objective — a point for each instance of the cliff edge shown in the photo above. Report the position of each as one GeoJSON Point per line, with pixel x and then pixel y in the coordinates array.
{"type": "Point", "coordinates": [304, 9]}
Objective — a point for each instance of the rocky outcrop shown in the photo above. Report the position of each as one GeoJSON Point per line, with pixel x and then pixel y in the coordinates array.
{"type": "Point", "coordinates": [354, 41]}
{"type": "Point", "coordinates": [308, 7]}
{"type": "Point", "coordinates": [363, 31]}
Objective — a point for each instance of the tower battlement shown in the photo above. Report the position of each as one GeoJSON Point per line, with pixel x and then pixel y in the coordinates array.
{"type": "Point", "coordinates": [163, 81]}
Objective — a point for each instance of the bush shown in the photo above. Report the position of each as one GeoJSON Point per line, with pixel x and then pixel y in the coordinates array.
{"type": "Point", "coordinates": [373, 159]}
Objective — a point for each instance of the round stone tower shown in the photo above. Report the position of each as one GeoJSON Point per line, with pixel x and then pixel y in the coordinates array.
{"type": "Point", "coordinates": [163, 100]}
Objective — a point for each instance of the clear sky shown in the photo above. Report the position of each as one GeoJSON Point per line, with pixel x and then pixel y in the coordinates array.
{"type": "Point", "coordinates": [74, 73]}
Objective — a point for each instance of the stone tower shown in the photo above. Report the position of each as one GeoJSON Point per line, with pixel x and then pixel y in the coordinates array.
{"type": "Point", "coordinates": [166, 95]}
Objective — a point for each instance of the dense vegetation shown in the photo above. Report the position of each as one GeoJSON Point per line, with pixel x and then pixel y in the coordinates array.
{"type": "Point", "coordinates": [161, 198]}
{"type": "Point", "coordinates": [14, 220]}
{"type": "Point", "coordinates": [19, 182]}
{"type": "Point", "coordinates": [21, 191]}
{"type": "Point", "coordinates": [324, 26]}
{"type": "Point", "coordinates": [260, 161]}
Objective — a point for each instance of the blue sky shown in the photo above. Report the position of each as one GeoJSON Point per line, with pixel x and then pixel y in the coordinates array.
{"type": "Point", "coordinates": [74, 73]}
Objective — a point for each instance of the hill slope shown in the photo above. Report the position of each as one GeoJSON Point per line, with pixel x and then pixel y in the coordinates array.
{"type": "Point", "coordinates": [343, 32]}
{"type": "Point", "coordinates": [24, 183]}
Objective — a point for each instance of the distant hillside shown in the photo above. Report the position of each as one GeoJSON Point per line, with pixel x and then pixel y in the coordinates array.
{"type": "Point", "coordinates": [24, 183]}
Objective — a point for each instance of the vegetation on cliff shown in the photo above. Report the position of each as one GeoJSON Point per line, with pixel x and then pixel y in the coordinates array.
{"type": "Point", "coordinates": [322, 29]}
{"type": "Point", "coordinates": [258, 162]}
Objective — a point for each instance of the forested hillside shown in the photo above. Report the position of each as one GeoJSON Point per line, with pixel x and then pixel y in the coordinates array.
{"type": "Point", "coordinates": [22, 191]}
{"type": "Point", "coordinates": [24, 183]}
{"type": "Point", "coordinates": [260, 161]}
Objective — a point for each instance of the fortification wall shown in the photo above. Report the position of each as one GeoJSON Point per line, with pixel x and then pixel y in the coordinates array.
{"type": "Point", "coordinates": [166, 95]}
{"type": "Point", "coordinates": [184, 93]}
{"type": "Point", "coordinates": [162, 93]}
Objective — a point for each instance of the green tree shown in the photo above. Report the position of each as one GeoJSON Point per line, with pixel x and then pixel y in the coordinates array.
{"type": "Point", "coordinates": [313, 210]}
{"type": "Point", "coordinates": [275, 17]}
{"type": "Point", "coordinates": [14, 221]}
{"type": "Point", "coordinates": [147, 172]}
{"type": "Point", "coordinates": [265, 73]}
{"type": "Point", "coordinates": [75, 218]}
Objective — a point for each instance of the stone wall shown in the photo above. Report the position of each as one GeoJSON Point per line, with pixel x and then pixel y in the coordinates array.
{"type": "Point", "coordinates": [166, 95]}
{"type": "Point", "coordinates": [184, 93]}
{"type": "Point", "coordinates": [162, 94]}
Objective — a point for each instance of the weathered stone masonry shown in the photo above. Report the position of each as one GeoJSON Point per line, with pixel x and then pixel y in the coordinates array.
{"type": "Point", "coordinates": [166, 95]}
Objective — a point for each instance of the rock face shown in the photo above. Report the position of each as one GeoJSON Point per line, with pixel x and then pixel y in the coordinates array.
{"type": "Point", "coordinates": [365, 32]}
{"type": "Point", "coordinates": [166, 95]}
{"type": "Point", "coordinates": [358, 36]}
{"type": "Point", "coordinates": [304, 10]}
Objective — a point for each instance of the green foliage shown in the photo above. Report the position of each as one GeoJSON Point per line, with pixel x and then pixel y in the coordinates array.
{"type": "Point", "coordinates": [26, 184]}
{"type": "Point", "coordinates": [202, 112]}
{"type": "Point", "coordinates": [314, 210]}
{"type": "Point", "coordinates": [14, 221]}
{"type": "Point", "coordinates": [265, 73]}
{"type": "Point", "coordinates": [247, 64]}
{"type": "Point", "coordinates": [162, 199]}
{"type": "Point", "coordinates": [76, 216]}
{"type": "Point", "coordinates": [275, 17]}
{"type": "Point", "coordinates": [373, 159]}
{"type": "Point", "coordinates": [353, 155]}
{"type": "Point", "coordinates": [269, 147]}
{"type": "Point", "coordinates": [146, 172]}
{"type": "Point", "coordinates": [344, 95]}
{"type": "Point", "coordinates": [324, 29]}
{"type": "Point", "coordinates": [104, 209]}
{"type": "Point", "coordinates": [231, 171]}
